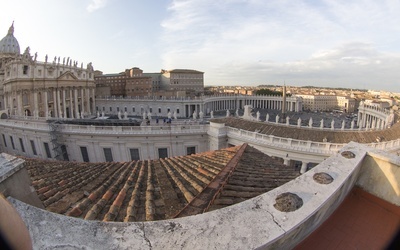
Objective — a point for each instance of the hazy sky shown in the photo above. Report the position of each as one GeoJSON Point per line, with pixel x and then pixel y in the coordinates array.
{"type": "Point", "coordinates": [336, 43]}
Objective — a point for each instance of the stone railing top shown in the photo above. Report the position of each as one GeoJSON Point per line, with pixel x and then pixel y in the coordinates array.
{"type": "Point", "coordinates": [9, 165]}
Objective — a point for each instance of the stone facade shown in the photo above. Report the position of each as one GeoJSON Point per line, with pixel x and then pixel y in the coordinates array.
{"type": "Point", "coordinates": [46, 89]}
{"type": "Point", "coordinates": [328, 103]}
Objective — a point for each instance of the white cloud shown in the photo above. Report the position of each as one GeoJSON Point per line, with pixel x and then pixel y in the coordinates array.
{"type": "Point", "coordinates": [96, 4]}
{"type": "Point", "coordinates": [336, 42]}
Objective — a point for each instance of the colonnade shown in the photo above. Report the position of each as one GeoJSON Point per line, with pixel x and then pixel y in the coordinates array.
{"type": "Point", "coordinates": [193, 108]}
{"type": "Point", "coordinates": [64, 102]}
{"type": "Point", "coordinates": [371, 117]}
{"type": "Point", "coordinates": [262, 102]}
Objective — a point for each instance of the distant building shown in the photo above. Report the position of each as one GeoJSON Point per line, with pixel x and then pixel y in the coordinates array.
{"type": "Point", "coordinates": [132, 82]}
{"type": "Point", "coordinates": [328, 103]}
{"type": "Point", "coordinates": [190, 81]}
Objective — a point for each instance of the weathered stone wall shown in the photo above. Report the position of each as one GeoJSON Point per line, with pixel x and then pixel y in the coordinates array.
{"type": "Point", "coordinates": [15, 181]}
{"type": "Point", "coordinates": [380, 176]}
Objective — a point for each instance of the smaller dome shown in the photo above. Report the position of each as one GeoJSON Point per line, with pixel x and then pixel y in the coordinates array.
{"type": "Point", "coordinates": [9, 44]}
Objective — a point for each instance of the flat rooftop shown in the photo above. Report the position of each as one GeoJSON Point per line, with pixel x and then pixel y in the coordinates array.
{"type": "Point", "coordinates": [362, 221]}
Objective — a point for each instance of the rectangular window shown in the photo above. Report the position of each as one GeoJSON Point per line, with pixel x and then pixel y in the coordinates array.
{"type": "Point", "coordinates": [117, 109]}
{"type": "Point", "coordinates": [47, 149]}
{"type": "Point", "coordinates": [33, 147]}
{"type": "Point", "coordinates": [4, 140]}
{"type": "Point", "coordinates": [85, 155]}
{"type": "Point", "coordinates": [162, 153]}
{"type": "Point", "coordinates": [12, 142]}
{"type": "Point", "coordinates": [25, 69]}
{"type": "Point", "coordinates": [177, 111]}
{"type": "Point", "coordinates": [22, 145]}
{"type": "Point", "coordinates": [110, 109]}
{"type": "Point", "coordinates": [159, 110]}
{"type": "Point", "coordinates": [126, 109]}
{"type": "Point", "coordinates": [134, 154]}
{"type": "Point", "coordinates": [133, 109]}
{"type": "Point", "coordinates": [108, 154]}
{"type": "Point", "coordinates": [190, 150]}
{"type": "Point", "coordinates": [64, 153]}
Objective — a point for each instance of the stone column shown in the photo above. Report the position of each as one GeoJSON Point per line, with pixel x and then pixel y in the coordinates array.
{"type": "Point", "coordinates": [83, 100]}
{"type": "Point", "coordinates": [35, 103]}
{"type": "Point", "coordinates": [303, 167]}
{"type": "Point", "coordinates": [6, 104]}
{"type": "Point", "coordinates": [64, 104]}
{"type": "Point", "coordinates": [19, 104]}
{"type": "Point", "coordinates": [58, 103]}
{"type": "Point", "coordinates": [46, 105]}
{"type": "Point", "coordinates": [93, 97]}
{"type": "Point", "coordinates": [71, 104]}
{"type": "Point", "coordinates": [55, 105]}
{"type": "Point", "coordinates": [87, 90]}
{"type": "Point", "coordinates": [76, 102]}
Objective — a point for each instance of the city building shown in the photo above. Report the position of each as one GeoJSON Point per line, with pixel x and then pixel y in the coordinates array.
{"type": "Point", "coordinates": [132, 82]}
{"type": "Point", "coordinates": [328, 103]}
{"type": "Point", "coordinates": [189, 81]}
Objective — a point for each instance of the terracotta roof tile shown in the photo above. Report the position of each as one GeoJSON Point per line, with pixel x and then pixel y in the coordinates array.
{"type": "Point", "coordinates": [146, 190]}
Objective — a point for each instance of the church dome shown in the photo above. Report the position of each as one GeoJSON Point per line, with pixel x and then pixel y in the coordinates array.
{"type": "Point", "coordinates": [9, 44]}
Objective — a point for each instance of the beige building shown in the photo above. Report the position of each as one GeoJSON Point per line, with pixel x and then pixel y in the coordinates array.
{"type": "Point", "coordinates": [132, 82]}
{"type": "Point", "coordinates": [328, 103]}
{"type": "Point", "coordinates": [190, 81]}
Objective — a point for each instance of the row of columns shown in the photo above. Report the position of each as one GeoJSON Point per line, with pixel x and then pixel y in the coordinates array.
{"type": "Point", "coordinates": [238, 104]}
{"type": "Point", "coordinates": [193, 108]}
{"type": "Point", "coordinates": [369, 121]}
{"type": "Point", "coordinates": [59, 96]}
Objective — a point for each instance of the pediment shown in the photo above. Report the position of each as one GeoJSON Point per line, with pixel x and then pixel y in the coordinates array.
{"type": "Point", "coordinates": [67, 76]}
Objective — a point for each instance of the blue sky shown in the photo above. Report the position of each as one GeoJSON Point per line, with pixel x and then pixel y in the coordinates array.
{"type": "Point", "coordinates": [336, 43]}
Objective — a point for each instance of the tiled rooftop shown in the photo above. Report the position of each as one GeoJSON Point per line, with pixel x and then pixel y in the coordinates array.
{"type": "Point", "coordinates": [315, 134]}
{"type": "Point", "coordinates": [156, 189]}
